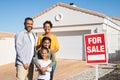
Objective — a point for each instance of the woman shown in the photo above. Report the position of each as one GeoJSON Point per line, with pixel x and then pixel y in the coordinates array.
{"type": "Point", "coordinates": [47, 26]}
{"type": "Point", "coordinates": [54, 47]}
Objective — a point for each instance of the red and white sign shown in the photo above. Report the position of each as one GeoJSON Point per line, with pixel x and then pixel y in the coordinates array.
{"type": "Point", "coordinates": [95, 48]}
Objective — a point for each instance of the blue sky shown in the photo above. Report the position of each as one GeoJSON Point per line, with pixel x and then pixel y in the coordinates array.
{"type": "Point", "coordinates": [13, 12]}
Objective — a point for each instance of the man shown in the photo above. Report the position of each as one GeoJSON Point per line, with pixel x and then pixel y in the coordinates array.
{"type": "Point", "coordinates": [25, 49]}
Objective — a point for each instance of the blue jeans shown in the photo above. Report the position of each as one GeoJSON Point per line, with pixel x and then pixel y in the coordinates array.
{"type": "Point", "coordinates": [52, 72]}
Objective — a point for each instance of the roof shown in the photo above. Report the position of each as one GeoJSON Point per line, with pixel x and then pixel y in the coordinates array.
{"type": "Point", "coordinates": [115, 18]}
{"type": "Point", "coordinates": [7, 35]}
{"type": "Point", "coordinates": [70, 7]}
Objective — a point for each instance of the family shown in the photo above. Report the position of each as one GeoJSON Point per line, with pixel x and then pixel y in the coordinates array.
{"type": "Point", "coordinates": [35, 54]}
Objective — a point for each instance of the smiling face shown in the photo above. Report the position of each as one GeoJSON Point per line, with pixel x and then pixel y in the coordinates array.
{"type": "Point", "coordinates": [28, 25]}
{"type": "Point", "coordinates": [44, 54]}
{"type": "Point", "coordinates": [47, 28]}
{"type": "Point", "coordinates": [46, 44]}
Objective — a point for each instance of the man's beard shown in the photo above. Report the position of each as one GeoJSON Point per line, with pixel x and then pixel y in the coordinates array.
{"type": "Point", "coordinates": [28, 29]}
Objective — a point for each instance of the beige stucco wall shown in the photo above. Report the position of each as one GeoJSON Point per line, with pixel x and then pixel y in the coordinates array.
{"type": "Point", "coordinates": [7, 51]}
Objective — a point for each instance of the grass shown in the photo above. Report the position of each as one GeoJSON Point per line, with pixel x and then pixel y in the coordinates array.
{"type": "Point", "coordinates": [118, 66]}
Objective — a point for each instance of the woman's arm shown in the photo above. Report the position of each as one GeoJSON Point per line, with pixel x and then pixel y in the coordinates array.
{"type": "Point", "coordinates": [35, 59]}
{"type": "Point", "coordinates": [39, 68]}
{"type": "Point", "coordinates": [52, 58]}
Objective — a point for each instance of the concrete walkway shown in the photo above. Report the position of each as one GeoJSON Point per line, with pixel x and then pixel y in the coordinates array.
{"type": "Point", "coordinates": [64, 70]}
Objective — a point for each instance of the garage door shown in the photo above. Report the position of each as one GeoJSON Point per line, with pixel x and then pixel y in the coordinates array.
{"type": "Point", "coordinates": [71, 45]}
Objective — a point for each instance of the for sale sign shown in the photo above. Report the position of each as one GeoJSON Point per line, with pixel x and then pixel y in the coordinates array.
{"type": "Point", "coordinates": [95, 48]}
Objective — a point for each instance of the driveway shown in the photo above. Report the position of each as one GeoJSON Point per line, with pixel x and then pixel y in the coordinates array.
{"type": "Point", "coordinates": [65, 69]}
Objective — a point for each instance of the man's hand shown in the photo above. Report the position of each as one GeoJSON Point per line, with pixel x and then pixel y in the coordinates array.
{"type": "Point", "coordinates": [26, 66]}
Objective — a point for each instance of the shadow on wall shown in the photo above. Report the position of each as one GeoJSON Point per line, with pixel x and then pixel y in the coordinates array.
{"type": "Point", "coordinates": [114, 56]}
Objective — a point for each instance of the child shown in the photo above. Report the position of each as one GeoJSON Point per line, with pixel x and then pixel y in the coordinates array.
{"type": "Point", "coordinates": [46, 42]}
{"type": "Point", "coordinates": [45, 61]}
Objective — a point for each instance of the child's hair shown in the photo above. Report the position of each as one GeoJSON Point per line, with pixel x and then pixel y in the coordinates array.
{"type": "Point", "coordinates": [46, 38]}
{"type": "Point", "coordinates": [44, 48]}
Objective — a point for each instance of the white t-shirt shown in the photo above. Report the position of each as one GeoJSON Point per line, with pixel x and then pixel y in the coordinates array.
{"type": "Point", "coordinates": [33, 44]}
{"type": "Point", "coordinates": [44, 64]}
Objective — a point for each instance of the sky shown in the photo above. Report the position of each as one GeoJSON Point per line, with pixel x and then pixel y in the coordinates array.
{"type": "Point", "coordinates": [13, 12]}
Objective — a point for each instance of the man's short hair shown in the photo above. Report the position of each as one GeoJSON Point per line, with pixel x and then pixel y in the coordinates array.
{"type": "Point", "coordinates": [28, 18]}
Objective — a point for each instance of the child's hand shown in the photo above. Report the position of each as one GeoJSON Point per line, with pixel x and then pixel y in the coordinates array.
{"type": "Point", "coordinates": [43, 70]}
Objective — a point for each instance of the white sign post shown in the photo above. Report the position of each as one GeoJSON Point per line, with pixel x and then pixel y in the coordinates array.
{"type": "Point", "coordinates": [97, 74]}
{"type": "Point", "coordinates": [95, 49]}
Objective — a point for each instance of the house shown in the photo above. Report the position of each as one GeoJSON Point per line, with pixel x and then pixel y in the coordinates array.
{"type": "Point", "coordinates": [71, 23]}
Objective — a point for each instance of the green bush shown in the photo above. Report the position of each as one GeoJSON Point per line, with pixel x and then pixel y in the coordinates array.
{"type": "Point", "coordinates": [118, 66]}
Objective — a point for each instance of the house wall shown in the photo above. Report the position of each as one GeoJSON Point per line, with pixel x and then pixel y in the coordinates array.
{"type": "Point", "coordinates": [70, 17]}
{"type": "Point", "coordinates": [71, 40]}
{"type": "Point", "coordinates": [72, 44]}
{"type": "Point", "coordinates": [73, 21]}
{"type": "Point", "coordinates": [7, 51]}
{"type": "Point", "coordinates": [113, 44]}
{"type": "Point", "coordinates": [112, 32]}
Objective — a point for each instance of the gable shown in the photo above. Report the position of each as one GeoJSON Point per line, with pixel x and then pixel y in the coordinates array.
{"type": "Point", "coordinates": [69, 16]}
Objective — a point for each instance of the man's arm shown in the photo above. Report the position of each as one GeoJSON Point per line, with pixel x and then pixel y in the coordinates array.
{"type": "Point", "coordinates": [19, 47]}
{"type": "Point", "coordinates": [20, 50]}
